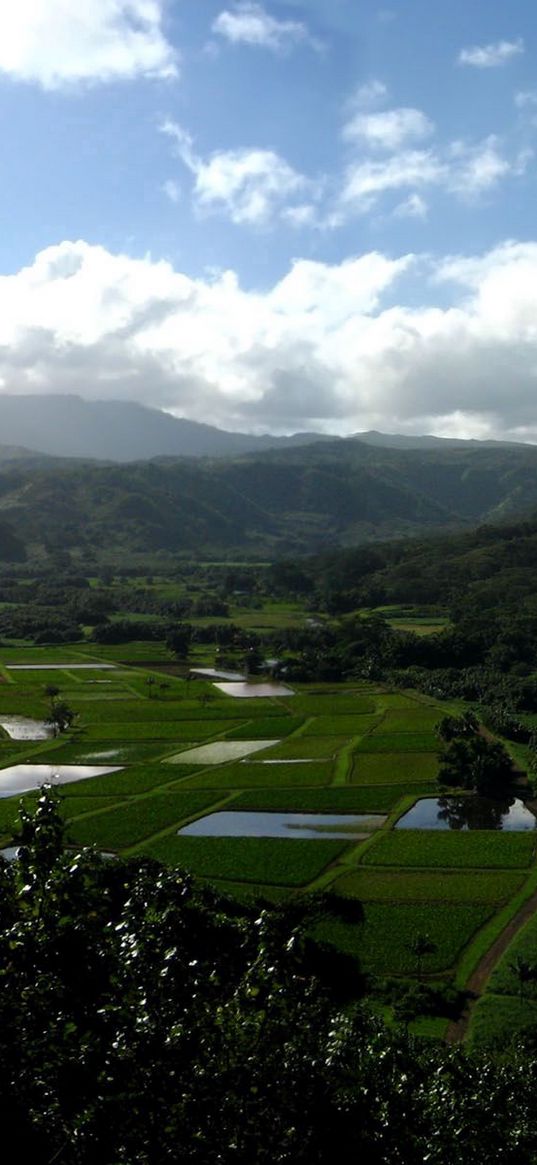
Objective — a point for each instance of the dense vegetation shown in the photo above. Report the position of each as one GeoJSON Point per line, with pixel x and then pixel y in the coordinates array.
{"type": "Point", "coordinates": [262, 505]}
{"type": "Point", "coordinates": [145, 1019]}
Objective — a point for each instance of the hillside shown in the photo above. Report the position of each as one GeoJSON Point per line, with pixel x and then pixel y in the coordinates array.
{"type": "Point", "coordinates": [273, 504]}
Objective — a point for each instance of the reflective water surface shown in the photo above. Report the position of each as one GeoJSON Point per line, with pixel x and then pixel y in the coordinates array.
{"type": "Point", "coordinates": [248, 691]}
{"type": "Point", "coordinates": [23, 778]}
{"type": "Point", "coordinates": [511, 814]}
{"type": "Point", "coordinates": [244, 824]}
{"type": "Point", "coordinates": [23, 728]}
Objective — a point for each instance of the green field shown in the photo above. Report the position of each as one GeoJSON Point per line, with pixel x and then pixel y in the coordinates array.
{"type": "Point", "coordinates": [436, 849]}
{"type": "Point", "coordinates": [372, 885]}
{"type": "Point", "coordinates": [363, 750]}
{"type": "Point", "coordinates": [383, 940]}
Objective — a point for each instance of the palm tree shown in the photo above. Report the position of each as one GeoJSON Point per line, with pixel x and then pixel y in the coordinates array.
{"type": "Point", "coordinates": [524, 972]}
{"type": "Point", "coordinates": [421, 946]}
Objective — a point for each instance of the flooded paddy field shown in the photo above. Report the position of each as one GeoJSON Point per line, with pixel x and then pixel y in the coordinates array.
{"type": "Point", "coordinates": [333, 791]}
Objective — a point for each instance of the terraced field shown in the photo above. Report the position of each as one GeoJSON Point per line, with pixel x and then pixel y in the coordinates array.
{"type": "Point", "coordinates": [183, 750]}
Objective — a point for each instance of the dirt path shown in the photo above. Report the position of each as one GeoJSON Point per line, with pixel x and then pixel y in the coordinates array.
{"type": "Point", "coordinates": [457, 1030]}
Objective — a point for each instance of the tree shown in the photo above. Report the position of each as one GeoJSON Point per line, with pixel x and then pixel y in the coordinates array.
{"type": "Point", "coordinates": [61, 716]}
{"type": "Point", "coordinates": [476, 764]}
{"type": "Point", "coordinates": [421, 946]}
{"type": "Point", "coordinates": [525, 973]}
{"type": "Point", "coordinates": [178, 640]}
{"type": "Point", "coordinates": [451, 727]}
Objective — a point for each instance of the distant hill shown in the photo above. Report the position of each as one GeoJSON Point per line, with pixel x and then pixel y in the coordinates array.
{"type": "Point", "coordinates": [68, 426]}
{"type": "Point", "coordinates": [277, 503]}
{"type": "Point", "coordinates": [426, 441]}
{"type": "Point", "coordinates": [18, 453]}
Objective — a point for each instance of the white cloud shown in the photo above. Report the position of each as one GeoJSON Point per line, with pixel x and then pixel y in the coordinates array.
{"type": "Point", "coordinates": [475, 169]}
{"type": "Point", "coordinates": [172, 190]}
{"type": "Point", "coordinates": [250, 186]}
{"type": "Point", "coordinates": [319, 349]}
{"type": "Point", "coordinates": [526, 98]}
{"type": "Point", "coordinates": [389, 129]}
{"type": "Point", "coordinates": [366, 180]}
{"type": "Point", "coordinates": [60, 42]}
{"type": "Point", "coordinates": [412, 207]}
{"type": "Point", "coordinates": [490, 56]}
{"type": "Point", "coordinates": [370, 94]}
{"type": "Point", "coordinates": [250, 24]}
{"type": "Point", "coordinates": [464, 169]}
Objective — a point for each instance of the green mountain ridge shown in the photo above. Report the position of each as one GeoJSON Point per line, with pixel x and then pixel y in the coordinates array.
{"type": "Point", "coordinates": [277, 503]}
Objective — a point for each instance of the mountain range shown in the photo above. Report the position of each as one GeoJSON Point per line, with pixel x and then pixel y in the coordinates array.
{"type": "Point", "coordinates": [291, 501]}
{"type": "Point", "coordinates": [69, 426]}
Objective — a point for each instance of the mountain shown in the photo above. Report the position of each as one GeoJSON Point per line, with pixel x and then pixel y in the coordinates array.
{"type": "Point", "coordinates": [278, 503]}
{"type": "Point", "coordinates": [68, 426]}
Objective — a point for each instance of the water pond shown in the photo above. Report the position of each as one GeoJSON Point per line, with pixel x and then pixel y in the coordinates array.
{"type": "Point", "coordinates": [510, 815]}
{"type": "Point", "coordinates": [302, 825]}
{"type": "Point", "coordinates": [213, 673]}
{"type": "Point", "coordinates": [23, 728]}
{"type": "Point", "coordinates": [24, 778]}
{"type": "Point", "coordinates": [248, 691]}
{"type": "Point", "coordinates": [219, 752]}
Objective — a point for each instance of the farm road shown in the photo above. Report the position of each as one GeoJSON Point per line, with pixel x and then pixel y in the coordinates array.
{"type": "Point", "coordinates": [457, 1030]}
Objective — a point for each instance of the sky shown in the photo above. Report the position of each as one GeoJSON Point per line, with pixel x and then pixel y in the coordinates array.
{"type": "Point", "coordinates": [274, 216]}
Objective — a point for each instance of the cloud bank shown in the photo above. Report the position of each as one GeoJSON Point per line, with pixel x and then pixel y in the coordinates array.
{"type": "Point", "coordinates": [330, 346]}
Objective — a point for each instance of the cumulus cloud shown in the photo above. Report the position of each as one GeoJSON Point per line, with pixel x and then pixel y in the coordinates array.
{"type": "Point", "coordinates": [491, 56]}
{"type": "Point", "coordinates": [389, 129]}
{"type": "Point", "coordinates": [330, 346]}
{"type": "Point", "coordinates": [249, 186]}
{"type": "Point", "coordinates": [250, 24]}
{"type": "Point", "coordinates": [53, 43]}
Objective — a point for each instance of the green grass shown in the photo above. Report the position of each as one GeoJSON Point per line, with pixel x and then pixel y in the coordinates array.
{"type": "Point", "coordinates": [451, 850]}
{"type": "Point", "coordinates": [117, 752]}
{"type": "Point", "coordinates": [393, 768]}
{"type": "Point", "coordinates": [138, 779]}
{"type": "Point", "coordinates": [334, 704]}
{"type": "Point", "coordinates": [382, 941]}
{"type": "Point", "coordinates": [301, 747]}
{"type": "Point", "coordinates": [172, 709]}
{"type": "Point", "coordinates": [266, 728]}
{"type": "Point", "coordinates": [500, 1020]}
{"type": "Point", "coordinates": [373, 885]}
{"type": "Point", "coordinates": [269, 861]}
{"type": "Point", "coordinates": [259, 776]}
{"type": "Point", "coordinates": [334, 800]}
{"type": "Point", "coordinates": [503, 980]}
{"type": "Point", "coordinates": [398, 742]}
{"type": "Point", "coordinates": [340, 725]}
{"type": "Point", "coordinates": [133, 821]}
{"type": "Point", "coordinates": [396, 700]}
{"type": "Point", "coordinates": [418, 719]}
{"type": "Point", "coordinates": [191, 731]}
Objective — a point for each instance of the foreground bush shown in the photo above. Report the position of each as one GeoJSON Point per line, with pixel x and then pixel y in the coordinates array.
{"type": "Point", "coordinates": [145, 1020]}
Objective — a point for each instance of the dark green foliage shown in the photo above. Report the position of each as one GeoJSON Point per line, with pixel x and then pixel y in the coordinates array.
{"type": "Point", "coordinates": [477, 764]}
{"type": "Point", "coordinates": [278, 861]}
{"type": "Point", "coordinates": [145, 1019]}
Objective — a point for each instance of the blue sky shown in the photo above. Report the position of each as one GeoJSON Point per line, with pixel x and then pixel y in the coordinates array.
{"type": "Point", "coordinates": [292, 214]}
